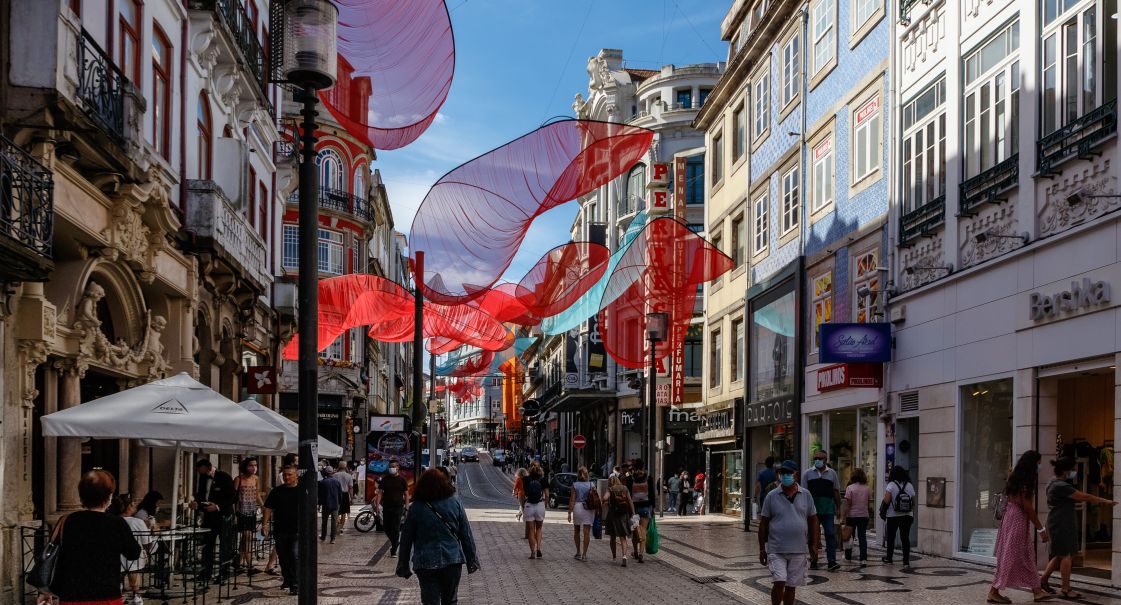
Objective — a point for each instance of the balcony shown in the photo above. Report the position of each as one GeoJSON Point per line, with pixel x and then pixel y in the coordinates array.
{"type": "Point", "coordinates": [26, 212]}
{"type": "Point", "coordinates": [1080, 138]}
{"type": "Point", "coordinates": [101, 87]}
{"type": "Point", "coordinates": [240, 32]}
{"type": "Point", "coordinates": [340, 201]}
{"type": "Point", "coordinates": [922, 221]}
{"type": "Point", "coordinates": [987, 187]}
{"type": "Point", "coordinates": [905, 7]}
{"type": "Point", "coordinates": [221, 229]}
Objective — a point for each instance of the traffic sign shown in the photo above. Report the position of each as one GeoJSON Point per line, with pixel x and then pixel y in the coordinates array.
{"type": "Point", "coordinates": [579, 442]}
{"type": "Point", "coordinates": [530, 408]}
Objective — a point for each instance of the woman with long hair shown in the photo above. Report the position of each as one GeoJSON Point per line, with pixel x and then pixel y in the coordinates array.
{"type": "Point", "coordinates": [247, 486]}
{"type": "Point", "coordinates": [146, 510]}
{"type": "Point", "coordinates": [857, 497]}
{"type": "Point", "coordinates": [642, 491]}
{"type": "Point", "coordinates": [579, 514]}
{"type": "Point", "coordinates": [1015, 552]}
{"type": "Point", "coordinates": [436, 538]}
{"type": "Point", "coordinates": [1062, 523]}
{"type": "Point", "coordinates": [618, 509]}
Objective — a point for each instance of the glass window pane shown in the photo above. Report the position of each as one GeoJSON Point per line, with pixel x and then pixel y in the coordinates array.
{"type": "Point", "coordinates": [842, 443]}
{"type": "Point", "coordinates": [1089, 60]}
{"type": "Point", "coordinates": [1050, 83]}
{"type": "Point", "coordinates": [986, 434]}
{"type": "Point", "coordinates": [1071, 75]}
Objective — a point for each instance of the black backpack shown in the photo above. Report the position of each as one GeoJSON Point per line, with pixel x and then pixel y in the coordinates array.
{"type": "Point", "coordinates": [904, 502]}
{"type": "Point", "coordinates": [534, 490]}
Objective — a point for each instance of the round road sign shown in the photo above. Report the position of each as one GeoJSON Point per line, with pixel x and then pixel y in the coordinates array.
{"type": "Point", "coordinates": [579, 442]}
{"type": "Point", "coordinates": [530, 408]}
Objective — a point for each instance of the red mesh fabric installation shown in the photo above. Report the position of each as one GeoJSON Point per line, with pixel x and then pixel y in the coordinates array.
{"type": "Point", "coordinates": [502, 303]}
{"type": "Point", "coordinates": [561, 277]}
{"type": "Point", "coordinates": [474, 218]}
{"type": "Point", "coordinates": [396, 61]}
{"type": "Point", "coordinates": [660, 273]}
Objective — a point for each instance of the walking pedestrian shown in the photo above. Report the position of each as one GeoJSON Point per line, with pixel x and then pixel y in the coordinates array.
{"type": "Point", "coordinates": [89, 567]}
{"type": "Point", "coordinates": [673, 484]}
{"type": "Point", "coordinates": [824, 485]}
{"type": "Point", "coordinates": [641, 487]}
{"type": "Point", "coordinates": [536, 493]}
{"type": "Point", "coordinates": [857, 497]}
{"type": "Point", "coordinates": [1062, 523]}
{"type": "Point", "coordinates": [1015, 549]}
{"type": "Point", "coordinates": [346, 485]}
{"type": "Point", "coordinates": [618, 510]}
{"type": "Point", "coordinates": [788, 521]}
{"type": "Point", "coordinates": [437, 540]}
{"type": "Point", "coordinates": [453, 471]}
{"type": "Point", "coordinates": [330, 495]}
{"type": "Point", "coordinates": [281, 519]}
{"type": "Point", "coordinates": [249, 502]}
{"type": "Point", "coordinates": [288, 460]}
{"type": "Point", "coordinates": [686, 498]}
{"type": "Point", "coordinates": [215, 498]}
{"type": "Point", "coordinates": [699, 494]}
{"type": "Point", "coordinates": [582, 512]}
{"type": "Point", "coordinates": [897, 509]}
{"type": "Point", "coordinates": [393, 497]}
{"type": "Point", "coordinates": [765, 480]}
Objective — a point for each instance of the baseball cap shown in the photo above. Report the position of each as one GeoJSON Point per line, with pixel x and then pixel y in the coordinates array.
{"type": "Point", "coordinates": [789, 465]}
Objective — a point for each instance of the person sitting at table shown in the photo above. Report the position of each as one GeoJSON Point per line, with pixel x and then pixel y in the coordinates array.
{"type": "Point", "coordinates": [126, 507]}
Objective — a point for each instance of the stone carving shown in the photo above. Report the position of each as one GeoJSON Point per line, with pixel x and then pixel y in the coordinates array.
{"type": "Point", "coordinates": [129, 235]}
{"type": "Point", "coordinates": [95, 346]}
{"type": "Point", "coordinates": [1090, 179]}
{"type": "Point", "coordinates": [923, 264]}
{"type": "Point", "coordinates": [1000, 222]}
{"type": "Point", "coordinates": [578, 104]}
{"type": "Point", "coordinates": [921, 44]}
{"type": "Point", "coordinates": [33, 353]}
{"type": "Point", "coordinates": [152, 351]}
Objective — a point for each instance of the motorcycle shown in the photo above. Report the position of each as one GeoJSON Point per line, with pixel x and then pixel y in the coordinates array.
{"type": "Point", "coordinates": [367, 519]}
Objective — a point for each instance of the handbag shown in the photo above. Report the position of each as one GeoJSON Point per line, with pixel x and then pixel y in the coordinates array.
{"type": "Point", "coordinates": [1000, 505]}
{"type": "Point", "coordinates": [652, 537]}
{"type": "Point", "coordinates": [42, 573]}
{"type": "Point", "coordinates": [597, 527]}
{"type": "Point", "coordinates": [472, 566]}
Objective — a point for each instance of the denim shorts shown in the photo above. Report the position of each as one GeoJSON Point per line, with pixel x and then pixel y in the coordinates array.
{"type": "Point", "coordinates": [644, 511]}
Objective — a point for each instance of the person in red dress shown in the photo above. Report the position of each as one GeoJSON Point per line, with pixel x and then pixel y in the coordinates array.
{"type": "Point", "coordinates": [1015, 552]}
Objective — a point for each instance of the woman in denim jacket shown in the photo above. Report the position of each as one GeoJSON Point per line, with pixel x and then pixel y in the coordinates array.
{"type": "Point", "coordinates": [436, 537]}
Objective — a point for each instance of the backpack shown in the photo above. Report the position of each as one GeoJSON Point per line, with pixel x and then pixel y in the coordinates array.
{"type": "Point", "coordinates": [592, 500]}
{"type": "Point", "coordinates": [640, 491]}
{"type": "Point", "coordinates": [904, 502]}
{"type": "Point", "coordinates": [534, 490]}
{"type": "Point", "coordinates": [618, 504]}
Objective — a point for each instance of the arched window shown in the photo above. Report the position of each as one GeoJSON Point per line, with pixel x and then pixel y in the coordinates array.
{"type": "Point", "coordinates": [636, 189]}
{"type": "Point", "coordinates": [360, 181]}
{"type": "Point", "coordinates": [204, 141]}
{"type": "Point", "coordinates": [330, 169]}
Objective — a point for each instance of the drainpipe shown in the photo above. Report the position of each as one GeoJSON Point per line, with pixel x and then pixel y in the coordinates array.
{"type": "Point", "coordinates": [892, 160]}
{"type": "Point", "coordinates": [183, 116]}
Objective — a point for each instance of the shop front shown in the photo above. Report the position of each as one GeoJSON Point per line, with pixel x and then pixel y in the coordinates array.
{"type": "Point", "coordinates": [682, 451]}
{"type": "Point", "coordinates": [719, 432]}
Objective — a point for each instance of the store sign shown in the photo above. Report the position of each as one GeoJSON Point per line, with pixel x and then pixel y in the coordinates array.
{"type": "Point", "coordinates": [260, 380]}
{"type": "Point", "coordinates": [682, 420]}
{"type": "Point", "coordinates": [1082, 296]}
{"type": "Point", "coordinates": [770, 411]}
{"type": "Point", "coordinates": [855, 343]}
{"type": "Point", "coordinates": [850, 375]}
{"type": "Point", "coordinates": [657, 193]}
{"type": "Point", "coordinates": [721, 423]}
{"type": "Point", "coordinates": [630, 420]}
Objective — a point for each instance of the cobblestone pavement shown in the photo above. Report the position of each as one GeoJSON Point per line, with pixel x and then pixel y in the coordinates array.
{"type": "Point", "coordinates": [703, 559]}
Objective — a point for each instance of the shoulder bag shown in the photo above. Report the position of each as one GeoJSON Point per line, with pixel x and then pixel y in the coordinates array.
{"type": "Point", "coordinates": [42, 573]}
{"type": "Point", "coordinates": [472, 566]}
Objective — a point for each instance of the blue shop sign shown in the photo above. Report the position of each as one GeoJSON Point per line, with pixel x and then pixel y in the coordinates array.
{"type": "Point", "coordinates": [855, 343]}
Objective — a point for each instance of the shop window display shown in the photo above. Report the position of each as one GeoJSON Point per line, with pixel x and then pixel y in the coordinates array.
{"type": "Point", "coordinates": [985, 459]}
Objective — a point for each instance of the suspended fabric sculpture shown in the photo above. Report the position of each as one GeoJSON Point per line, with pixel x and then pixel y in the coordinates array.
{"type": "Point", "coordinates": [473, 220]}
{"type": "Point", "coordinates": [396, 61]}
{"type": "Point", "coordinates": [561, 277]}
{"type": "Point", "coordinates": [472, 361]}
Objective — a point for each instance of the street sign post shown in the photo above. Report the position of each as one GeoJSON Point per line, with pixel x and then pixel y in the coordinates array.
{"type": "Point", "coordinates": [579, 442]}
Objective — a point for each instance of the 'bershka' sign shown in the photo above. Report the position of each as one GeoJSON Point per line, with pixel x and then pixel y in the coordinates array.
{"type": "Point", "coordinates": [1082, 296]}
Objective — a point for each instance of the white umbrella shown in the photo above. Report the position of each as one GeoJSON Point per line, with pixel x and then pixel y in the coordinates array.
{"type": "Point", "coordinates": [177, 412]}
{"type": "Point", "coordinates": [327, 449]}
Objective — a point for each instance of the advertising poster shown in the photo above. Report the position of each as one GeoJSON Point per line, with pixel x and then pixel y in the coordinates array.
{"type": "Point", "coordinates": [383, 447]}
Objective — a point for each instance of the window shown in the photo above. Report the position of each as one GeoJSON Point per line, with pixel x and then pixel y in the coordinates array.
{"type": "Point", "coordinates": [685, 98]}
{"type": "Point", "coordinates": [717, 242]}
{"type": "Point", "coordinates": [823, 16]}
{"type": "Point", "coordinates": [739, 241]}
{"type": "Point", "coordinates": [694, 351]}
{"type": "Point", "coordinates": [791, 70]}
{"type": "Point", "coordinates": [762, 100]}
{"type": "Point", "coordinates": [761, 231]}
{"type": "Point", "coordinates": [992, 106]}
{"type": "Point", "coordinates": [1073, 60]}
{"type": "Point", "coordinates": [822, 304]}
{"type": "Point", "coordinates": [867, 139]}
{"type": "Point", "coordinates": [863, 11]}
{"type": "Point", "coordinates": [359, 184]}
{"type": "Point", "coordinates": [924, 147]}
{"type": "Point", "coordinates": [740, 129]}
{"type": "Point", "coordinates": [636, 190]}
{"type": "Point", "coordinates": [822, 186]}
{"type": "Point", "coordinates": [161, 93]}
{"type": "Point", "coordinates": [251, 208]}
{"type": "Point", "coordinates": [331, 252]}
{"type": "Point", "coordinates": [695, 179]}
{"type": "Point", "coordinates": [203, 133]}
{"type": "Point", "coordinates": [791, 202]}
{"type": "Point", "coordinates": [335, 350]}
{"type": "Point", "coordinates": [129, 57]}
{"type": "Point", "coordinates": [703, 96]}
{"type": "Point", "coordinates": [263, 210]}
{"type": "Point", "coordinates": [291, 257]}
{"type": "Point", "coordinates": [866, 274]}
{"type": "Point", "coordinates": [356, 256]}
{"type": "Point", "coordinates": [714, 360]}
{"type": "Point", "coordinates": [330, 169]}
{"type": "Point", "coordinates": [737, 350]}
{"type": "Point", "coordinates": [717, 157]}
{"type": "Point", "coordinates": [356, 345]}
{"type": "Point", "coordinates": [986, 434]}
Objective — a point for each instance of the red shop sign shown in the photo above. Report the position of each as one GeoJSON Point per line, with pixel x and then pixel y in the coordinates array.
{"type": "Point", "coordinates": [850, 375]}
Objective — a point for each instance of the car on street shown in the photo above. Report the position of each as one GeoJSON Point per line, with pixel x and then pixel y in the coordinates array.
{"type": "Point", "coordinates": [560, 488]}
{"type": "Point", "coordinates": [499, 457]}
{"type": "Point", "coordinates": [468, 454]}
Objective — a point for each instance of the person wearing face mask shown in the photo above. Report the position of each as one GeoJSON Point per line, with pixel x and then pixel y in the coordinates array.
{"type": "Point", "coordinates": [788, 522]}
{"type": "Point", "coordinates": [825, 486]}
{"type": "Point", "coordinates": [1062, 523]}
{"type": "Point", "coordinates": [393, 497]}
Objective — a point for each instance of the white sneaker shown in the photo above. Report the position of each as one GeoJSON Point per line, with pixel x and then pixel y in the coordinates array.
{"type": "Point", "coordinates": [136, 600]}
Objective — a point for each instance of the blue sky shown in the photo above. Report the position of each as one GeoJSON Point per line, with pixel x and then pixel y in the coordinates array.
{"type": "Point", "coordinates": [521, 62]}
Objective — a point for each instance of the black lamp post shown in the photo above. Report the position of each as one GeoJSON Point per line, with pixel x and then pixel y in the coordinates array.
{"type": "Point", "coordinates": [310, 61]}
{"type": "Point", "coordinates": [655, 332]}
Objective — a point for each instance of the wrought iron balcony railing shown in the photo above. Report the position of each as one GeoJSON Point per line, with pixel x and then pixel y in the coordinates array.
{"type": "Point", "coordinates": [26, 214]}
{"type": "Point", "coordinates": [1079, 138]}
{"type": "Point", "coordinates": [905, 7]}
{"type": "Point", "coordinates": [987, 187]}
{"type": "Point", "coordinates": [101, 87]}
{"type": "Point", "coordinates": [340, 201]}
{"type": "Point", "coordinates": [922, 221]}
{"type": "Point", "coordinates": [241, 30]}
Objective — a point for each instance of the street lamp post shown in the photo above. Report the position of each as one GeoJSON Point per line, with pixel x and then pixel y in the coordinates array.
{"type": "Point", "coordinates": [656, 332]}
{"type": "Point", "coordinates": [310, 61]}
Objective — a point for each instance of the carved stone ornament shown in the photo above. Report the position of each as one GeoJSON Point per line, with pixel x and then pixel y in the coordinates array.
{"type": "Point", "coordinates": [129, 235]}
{"type": "Point", "coordinates": [32, 354]}
{"type": "Point", "coordinates": [923, 42]}
{"type": "Point", "coordinates": [925, 261]}
{"type": "Point", "coordinates": [1000, 222]}
{"type": "Point", "coordinates": [147, 358]}
{"type": "Point", "coordinates": [1089, 179]}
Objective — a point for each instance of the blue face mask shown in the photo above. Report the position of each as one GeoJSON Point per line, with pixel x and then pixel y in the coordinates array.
{"type": "Point", "coordinates": [1072, 475]}
{"type": "Point", "coordinates": [787, 480]}
{"type": "Point", "coordinates": [819, 464]}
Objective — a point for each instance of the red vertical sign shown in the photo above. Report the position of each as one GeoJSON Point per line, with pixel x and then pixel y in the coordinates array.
{"type": "Point", "coordinates": [677, 356]}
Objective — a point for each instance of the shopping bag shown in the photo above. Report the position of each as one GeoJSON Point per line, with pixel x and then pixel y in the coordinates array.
{"type": "Point", "coordinates": [652, 537]}
{"type": "Point", "coordinates": [597, 527]}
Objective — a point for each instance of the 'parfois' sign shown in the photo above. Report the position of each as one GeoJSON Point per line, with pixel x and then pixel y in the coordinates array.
{"type": "Point", "coordinates": [1082, 296]}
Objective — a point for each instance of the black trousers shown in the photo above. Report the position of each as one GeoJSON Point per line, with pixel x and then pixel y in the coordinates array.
{"type": "Point", "coordinates": [287, 549]}
{"type": "Point", "coordinates": [221, 532]}
{"type": "Point", "coordinates": [440, 586]}
{"type": "Point", "coordinates": [392, 521]}
{"type": "Point", "coordinates": [333, 516]}
{"type": "Point", "coordinates": [902, 526]}
{"type": "Point", "coordinates": [683, 502]}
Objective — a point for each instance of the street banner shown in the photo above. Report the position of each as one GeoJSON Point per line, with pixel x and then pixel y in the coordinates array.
{"type": "Point", "coordinates": [385, 446]}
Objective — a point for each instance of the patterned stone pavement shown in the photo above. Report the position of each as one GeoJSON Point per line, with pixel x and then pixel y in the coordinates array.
{"type": "Point", "coordinates": [704, 559]}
